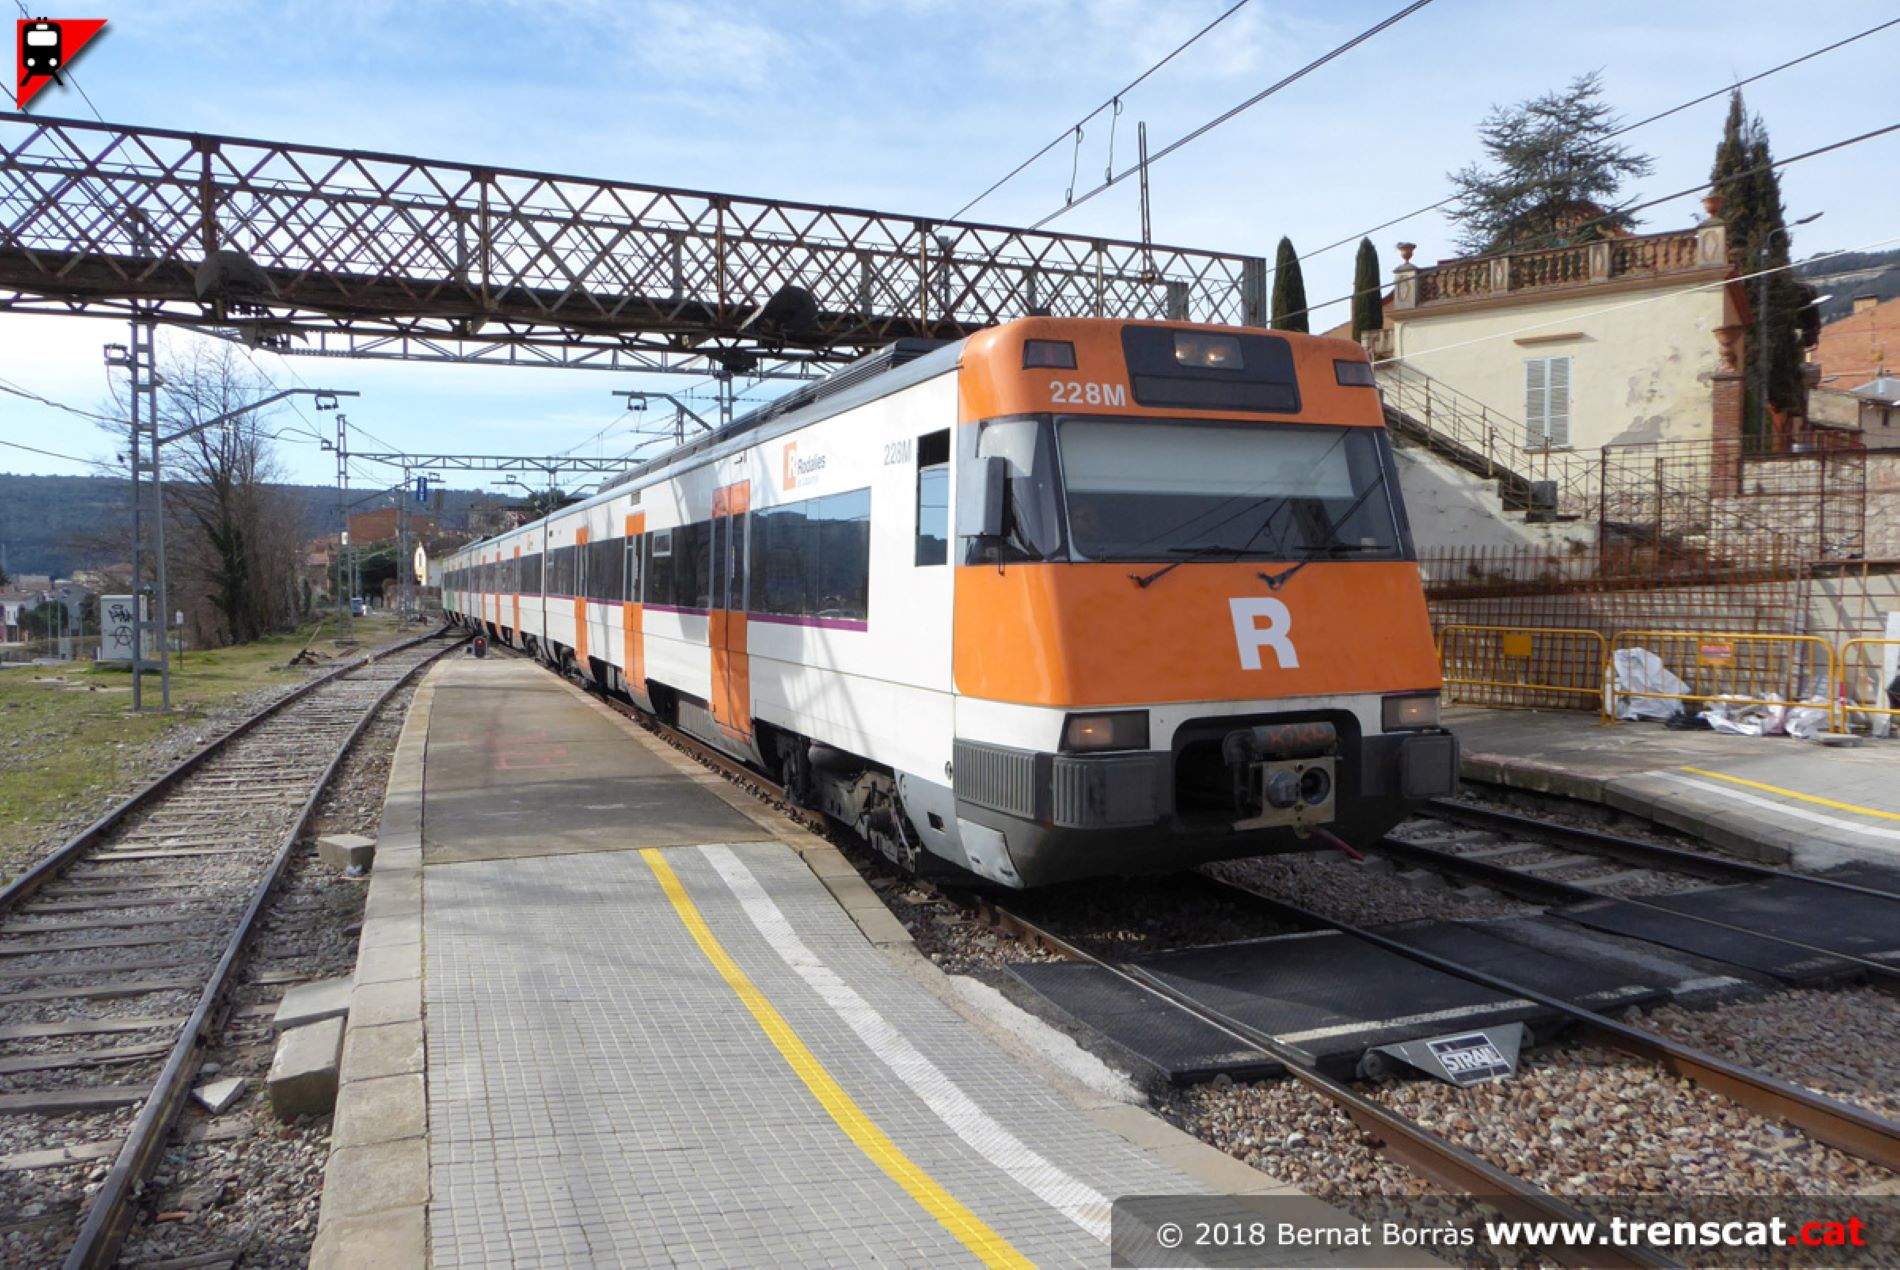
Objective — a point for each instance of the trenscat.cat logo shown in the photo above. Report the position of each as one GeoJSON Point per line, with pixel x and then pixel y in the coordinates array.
{"type": "Point", "coordinates": [801, 471]}
{"type": "Point", "coordinates": [43, 50]}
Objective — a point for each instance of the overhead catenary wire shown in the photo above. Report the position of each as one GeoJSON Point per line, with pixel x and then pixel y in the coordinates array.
{"type": "Point", "coordinates": [18, 391]}
{"type": "Point", "coordinates": [1617, 132]}
{"type": "Point", "coordinates": [1240, 108]}
{"type": "Point", "coordinates": [1112, 101]}
{"type": "Point", "coordinates": [32, 449]}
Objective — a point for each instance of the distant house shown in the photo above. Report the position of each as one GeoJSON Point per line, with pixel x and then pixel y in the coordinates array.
{"type": "Point", "coordinates": [384, 523]}
{"type": "Point", "coordinates": [1620, 341]}
{"type": "Point", "coordinates": [1860, 347]}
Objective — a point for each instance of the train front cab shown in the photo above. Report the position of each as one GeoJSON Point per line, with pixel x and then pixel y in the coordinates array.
{"type": "Point", "coordinates": [1188, 617]}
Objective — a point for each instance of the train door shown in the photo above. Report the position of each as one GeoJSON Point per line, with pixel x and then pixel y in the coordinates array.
{"type": "Point", "coordinates": [632, 613]}
{"type": "Point", "coordinates": [605, 578]}
{"type": "Point", "coordinates": [580, 599]}
{"type": "Point", "coordinates": [515, 587]}
{"type": "Point", "coordinates": [726, 632]}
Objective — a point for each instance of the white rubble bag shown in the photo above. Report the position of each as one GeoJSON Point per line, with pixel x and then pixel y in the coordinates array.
{"type": "Point", "coordinates": [1639, 670]}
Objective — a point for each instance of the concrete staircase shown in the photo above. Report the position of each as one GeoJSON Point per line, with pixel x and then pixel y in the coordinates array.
{"type": "Point", "coordinates": [1539, 484]}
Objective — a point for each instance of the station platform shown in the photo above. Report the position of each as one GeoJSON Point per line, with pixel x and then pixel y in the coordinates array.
{"type": "Point", "coordinates": [1774, 799]}
{"type": "Point", "coordinates": [644, 1023]}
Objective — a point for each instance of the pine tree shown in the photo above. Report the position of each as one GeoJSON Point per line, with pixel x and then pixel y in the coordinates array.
{"type": "Point", "coordinates": [1367, 313]}
{"type": "Point", "coordinates": [1289, 290]}
{"type": "Point", "coordinates": [1552, 167]}
{"type": "Point", "coordinates": [1749, 194]}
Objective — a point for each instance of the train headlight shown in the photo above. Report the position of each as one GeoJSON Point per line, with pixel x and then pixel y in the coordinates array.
{"type": "Point", "coordinates": [1205, 351]}
{"type": "Point", "coordinates": [1107, 730]}
{"type": "Point", "coordinates": [1417, 711]}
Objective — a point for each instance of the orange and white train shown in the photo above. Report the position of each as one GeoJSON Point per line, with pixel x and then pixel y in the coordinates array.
{"type": "Point", "coordinates": [1068, 597]}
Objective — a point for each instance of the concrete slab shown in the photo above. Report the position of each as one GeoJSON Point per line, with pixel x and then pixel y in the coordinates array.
{"type": "Point", "coordinates": [1773, 799]}
{"type": "Point", "coordinates": [381, 1109]}
{"type": "Point", "coordinates": [303, 1072]}
{"type": "Point", "coordinates": [311, 1002]}
{"type": "Point", "coordinates": [394, 1049]}
{"type": "Point", "coordinates": [523, 772]}
{"type": "Point", "coordinates": [375, 1004]}
{"type": "Point", "coordinates": [380, 1241]}
{"type": "Point", "coordinates": [346, 851]}
{"type": "Point", "coordinates": [376, 1178]}
{"type": "Point", "coordinates": [217, 1096]}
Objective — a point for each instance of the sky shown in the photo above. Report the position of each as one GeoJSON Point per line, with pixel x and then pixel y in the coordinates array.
{"type": "Point", "coordinates": [914, 106]}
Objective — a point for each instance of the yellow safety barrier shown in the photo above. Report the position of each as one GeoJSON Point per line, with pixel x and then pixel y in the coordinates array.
{"type": "Point", "coordinates": [1523, 665]}
{"type": "Point", "coordinates": [1741, 668]}
{"type": "Point", "coordinates": [1874, 679]}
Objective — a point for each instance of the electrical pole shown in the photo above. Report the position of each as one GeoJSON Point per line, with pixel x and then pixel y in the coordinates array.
{"type": "Point", "coordinates": [149, 358]}
{"type": "Point", "coordinates": [343, 520]}
{"type": "Point", "coordinates": [138, 541]}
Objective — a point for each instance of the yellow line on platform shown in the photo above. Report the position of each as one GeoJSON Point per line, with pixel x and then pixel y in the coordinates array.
{"type": "Point", "coordinates": [1856, 808]}
{"type": "Point", "coordinates": [969, 1229]}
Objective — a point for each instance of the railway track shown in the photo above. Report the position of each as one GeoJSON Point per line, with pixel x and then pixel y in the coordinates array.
{"type": "Point", "coordinates": [117, 951]}
{"type": "Point", "coordinates": [1417, 1146]}
{"type": "Point", "coordinates": [1549, 863]}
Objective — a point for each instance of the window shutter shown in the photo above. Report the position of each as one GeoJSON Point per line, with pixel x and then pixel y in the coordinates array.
{"type": "Point", "coordinates": [1536, 402]}
{"type": "Point", "coordinates": [1557, 404]}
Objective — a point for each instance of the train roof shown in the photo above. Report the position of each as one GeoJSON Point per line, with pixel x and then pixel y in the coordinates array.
{"type": "Point", "coordinates": [890, 369]}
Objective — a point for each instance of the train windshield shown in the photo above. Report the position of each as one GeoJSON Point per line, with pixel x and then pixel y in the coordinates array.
{"type": "Point", "coordinates": [1158, 489]}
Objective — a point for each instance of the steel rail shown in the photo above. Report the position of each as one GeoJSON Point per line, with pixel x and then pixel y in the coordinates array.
{"type": "Point", "coordinates": [1633, 850]}
{"type": "Point", "coordinates": [1544, 890]}
{"type": "Point", "coordinates": [1852, 1129]}
{"type": "Point", "coordinates": [1413, 1144]}
{"type": "Point", "coordinates": [109, 1210]}
{"type": "Point", "coordinates": [30, 881]}
{"type": "Point", "coordinates": [1878, 974]}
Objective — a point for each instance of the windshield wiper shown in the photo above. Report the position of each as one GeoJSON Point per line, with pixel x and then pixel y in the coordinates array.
{"type": "Point", "coordinates": [1332, 545]}
{"type": "Point", "coordinates": [1188, 555]}
{"type": "Point", "coordinates": [1275, 581]}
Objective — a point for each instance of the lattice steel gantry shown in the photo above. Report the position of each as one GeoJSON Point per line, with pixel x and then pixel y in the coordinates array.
{"type": "Point", "coordinates": [335, 252]}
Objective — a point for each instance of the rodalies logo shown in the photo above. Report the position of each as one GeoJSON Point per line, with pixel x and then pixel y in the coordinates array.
{"type": "Point", "coordinates": [801, 471]}
{"type": "Point", "coordinates": [43, 50]}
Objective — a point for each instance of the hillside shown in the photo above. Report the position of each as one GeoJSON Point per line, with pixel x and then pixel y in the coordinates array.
{"type": "Point", "coordinates": [1843, 277]}
{"type": "Point", "coordinates": [50, 523]}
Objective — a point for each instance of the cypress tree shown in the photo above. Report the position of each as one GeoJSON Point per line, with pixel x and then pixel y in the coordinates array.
{"type": "Point", "coordinates": [1289, 290]}
{"type": "Point", "coordinates": [1367, 314]}
{"type": "Point", "coordinates": [1750, 194]}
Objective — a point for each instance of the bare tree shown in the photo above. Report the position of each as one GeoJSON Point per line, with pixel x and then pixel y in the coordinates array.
{"type": "Point", "coordinates": [234, 538]}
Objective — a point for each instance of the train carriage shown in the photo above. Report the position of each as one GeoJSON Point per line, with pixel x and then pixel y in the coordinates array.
{"type": "Point", "coordinates": [1068, 597]}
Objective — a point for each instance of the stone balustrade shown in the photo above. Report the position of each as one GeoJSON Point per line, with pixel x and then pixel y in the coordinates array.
{"type": "Point", "coordinates": [1478, 278]}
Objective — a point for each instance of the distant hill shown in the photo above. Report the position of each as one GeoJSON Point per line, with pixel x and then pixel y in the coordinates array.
{"type": "Point", "coordinates": [1843, 277]}
{"type": "Point", "coordinates": [47, 522]}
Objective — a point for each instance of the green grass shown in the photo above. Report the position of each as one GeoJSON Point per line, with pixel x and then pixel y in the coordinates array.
{"type": "Point", "coordinates": [69, 741]}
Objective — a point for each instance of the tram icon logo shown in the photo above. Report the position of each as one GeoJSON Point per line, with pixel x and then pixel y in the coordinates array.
{"type": "Point", "coordinates": [44, 48]}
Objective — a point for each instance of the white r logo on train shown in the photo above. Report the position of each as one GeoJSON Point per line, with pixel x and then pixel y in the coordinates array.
{"type": "Point", "coordinates": [1250, 637]}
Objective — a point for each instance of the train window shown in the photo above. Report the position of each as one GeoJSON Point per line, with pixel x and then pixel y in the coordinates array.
{"type": "Point", "coordinates": [531, 574]}
{"type": "Point", "coordinates": [694, 551]}
{"type": "Point", "coordinates": [605, 574]}
{"type": "Point", "coordinates": [933, 498]}
{"type": "Point", "coordinates": [732, 586]}
{"type": "Point", "coordinates": [660, 567]}
{"type": "Point", "coordinates": [631, 581]}
{"type": "Point", "coordinates": [1031, 515]}
{"type": "Point", "coordinates": [813, 558]}
{"type": "Point", "coordinates": [1154, 490]}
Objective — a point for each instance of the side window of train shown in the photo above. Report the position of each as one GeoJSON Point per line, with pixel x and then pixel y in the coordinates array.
{"type": "Point", "coordinates": [660, 567]}
{"type": "Point", "coordinates": [632, 567]}
{"type": "Point", "coordinates": [933, 498]}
